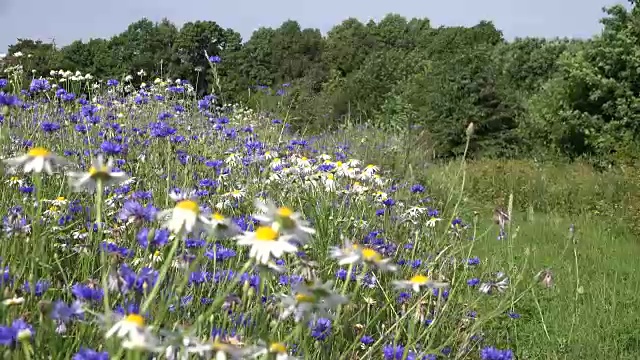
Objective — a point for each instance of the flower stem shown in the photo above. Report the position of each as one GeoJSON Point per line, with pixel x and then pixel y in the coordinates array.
{"type": "Point", "coordinates": [163, 273]}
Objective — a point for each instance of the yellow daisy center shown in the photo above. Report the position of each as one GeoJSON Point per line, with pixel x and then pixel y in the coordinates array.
{"type": "Point", "coordinates": [285, 212]}
{"type": "Point", "coordinates": [220, 346]}
{"type": "Point", "coordinates": [188, 205]}
{"type": "Point", "coordinates": [14, 178]}
{"type": "Point", "coordinates": [339, 163]}
{"type": "Point", "coordinates": [371, 255]}
{"type": "Point", "coordinates": [217, 216]}
{"type": "Point", "coordinates": [330, 176]}
{"type": "Point", "coordinates": [135, 319]}
{"type": "Point", "coordinates": [38, 152]}
{"type": "Point", "coordinates": [102, 172]}
{"type": "Point", "coordinates": [305, 298]}
{"type": "Point", "coordinates": [266, 233]}
{"type": "Point", "coordinates": [419, 279]}
{"type": "Point", "coordinates": [60, 198]}
{"type": "Point", "coordinates": [156, 253]}
{"type": "Point", "coordinates": [277, 348]}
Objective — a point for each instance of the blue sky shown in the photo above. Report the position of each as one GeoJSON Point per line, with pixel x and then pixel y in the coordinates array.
{"type": "Point", "coordinates": [68, 20]}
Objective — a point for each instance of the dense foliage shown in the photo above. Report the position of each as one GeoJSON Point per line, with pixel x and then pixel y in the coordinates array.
{"type": "Point", "coordinates": [530, 96]}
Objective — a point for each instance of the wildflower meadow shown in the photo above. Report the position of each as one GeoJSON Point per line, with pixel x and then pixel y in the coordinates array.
{"type": "Point", "coordinates": [146, 222]}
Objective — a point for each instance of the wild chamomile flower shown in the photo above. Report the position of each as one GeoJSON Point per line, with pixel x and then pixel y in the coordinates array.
{"type": "Point", "coordinates": [329, 181]}
{"type": "Point", "coordinates": [133, 332]}
{"type": "Point", "coordinates": [311, 300]}
{"type": "Point", "coordinates": [37, 159]}
{"type": "Point", "coordinates": [59, 201]}
{"type": "Point", "coordinates": [279, 350]}
{"type": "Point", "coordinates": [13, 301]}
{"type": "Point", "coordinates": [265, 242]}
{"type": "Point", "coordinates": [351, 254]}
{"type": "Point", "coordinates": [416, 282]}
{"type": "Point", "coordinates": [184, 216]}
{"type": "Point", "coordinates": [284, 219]}
{"type": "Point", "coordinates": [500, 284]}
{"type": "Point", "coordinates": [358, 188]}
{"type": "Point", "coordinates": [224, 228]}
{"type": "Point", "coordinates": [98, 171]}
{"type": "Point", "coordinates": [369, 171]}
{"type": "Point", "coordinates": [15, 181]}
{"type": "Point", "coordinates": [433, 220]}
{"type": "Point", "coordinates": [152, 258]}
{"type": "Point", "coordinates": [237, 194]}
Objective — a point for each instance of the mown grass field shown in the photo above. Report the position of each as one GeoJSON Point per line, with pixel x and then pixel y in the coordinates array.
{"type": "Point", "coordinates": [78, 263]}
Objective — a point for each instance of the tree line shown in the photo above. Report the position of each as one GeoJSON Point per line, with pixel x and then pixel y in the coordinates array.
{"type": "Point", "coordinates": [565, 98]}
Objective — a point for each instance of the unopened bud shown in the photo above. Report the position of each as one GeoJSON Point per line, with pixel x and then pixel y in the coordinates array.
{"type": "Point", "coordinates": [470, 129]}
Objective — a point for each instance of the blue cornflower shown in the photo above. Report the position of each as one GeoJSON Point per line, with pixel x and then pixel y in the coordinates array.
{"type": "Point", "coordinates": [19, 330]}
{"type": "Point", "coordinates": [81, 128]}
{"type": "Point", "coordinates": [491, 353]}
{"type": "Point", "coordinates": [39, 85]}
{"type": "Point", "coordinates": [367, 340]}
{"type": "Point", "coordinates": [514, 315]}
{"type": "Point", "coordinates": [134, 210]}
{"type": "Point", "coordinates": [49, 127]}
{"type": "Point", "coordinates": [220, 253]}
{"type": "Point", "coordinates": [417, 188]}
{"type": "Point", "coordinates": [40, 287]}
{"type": "Point", "coordinates": [342, 274]}
{"type": "Point", "coordinates": [84, 292]}
{"type": "Point", "coordinates": [161, 129]}
{"type": "Point", "coordinates": [214, 59]}
{"type": "Point", "coordinates": [391, 352]}
{"type": "Point", "coordinates": [3, 83]}
{"type": "Point", "coordinates": [111, 148]}
{"type": "Point", "coordinates": [112, 82]}
{"type": "Point", "coordinates": [9, 100]}
{"type": "Point", "coordinates": [164, 116]}
{"type": "Point", "coordinates": [140, 282]}
{"type": "Point", "coordinates": [473, 261]}
{"type": "Point", "coordinates": [320, 329]}
{"type": "Point", "coordinates": [403, 297]}
{"type": "Point", "coordinates": [90, 354]}
{"type": "Point", "coordinates": [473, 281]}
{"type": "Point", "coordinates": [112, 248]}
{"type": "Point", "coordinates": [65, 313]}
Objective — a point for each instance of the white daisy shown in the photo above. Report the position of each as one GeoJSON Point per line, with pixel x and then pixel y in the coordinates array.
{"type": "Point", "coordinates": [15, 181]}
{"type": "Point", "coordinates": [284, 219]}
{"type": "Point", "coordinates": [264, 242]}
{"type": "Point", "coordinates": [356, 254]}
{"type": "Point", "coordinates": [312, 300]}
{"type": "Point", "coordinates": [237, 194]}
{"type": "Point", "coordinates": [98, 171]}
{"type": "Point", "coordinates": [277, 349]}
{"type": "Point", "coordinates": [369, 171]}
{"type": "Point", "coordinates": [184, 216]}
{"type": "Point", "coordinates": [329, 182]}
{"type": "Point", "coordinates": [416, 282]}
{"type": "Point", "coordinates": [224, 228]}
{"type": "Point", "coordinates": [37, 159]}
{"type": "Point", "coordinates": [133, 332]}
